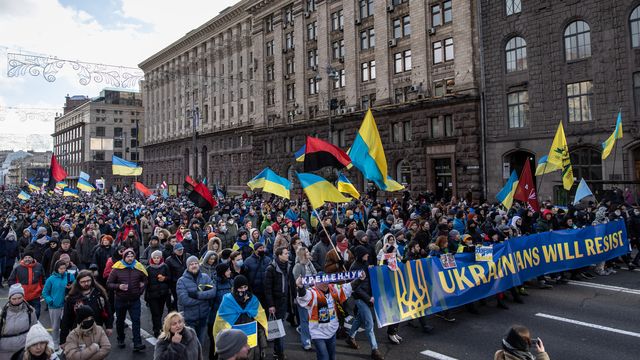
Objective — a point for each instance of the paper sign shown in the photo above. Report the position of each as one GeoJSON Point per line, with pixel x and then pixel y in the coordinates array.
{"type": "Point", "coordinates": [484, 253]}
{"type": "Point", "coordinates": [448, 261]}
{"type": "Point", "coordinates": [331, 278]}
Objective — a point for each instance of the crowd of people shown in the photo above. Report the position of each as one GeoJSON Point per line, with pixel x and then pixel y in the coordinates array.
{"type": "Point", "coordinates": [93, 260]}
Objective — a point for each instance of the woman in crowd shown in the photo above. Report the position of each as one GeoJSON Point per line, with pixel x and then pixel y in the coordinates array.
{"type": "Point", "coordinates": [16, 317]}
{"type": "Point", "coordinates": [177, 341]}
{"type": "Point", "coordinates": [87, 341]}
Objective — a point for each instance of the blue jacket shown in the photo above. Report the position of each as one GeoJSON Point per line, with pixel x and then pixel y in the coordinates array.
{"type": "Point", "coordinates": [222, 288]}
{"type": "Point", "coordinates": [256, 268]}
{"type": "Point", "coordinates": [55, 288]}
{"type": "Point", "coordinates": [460, 225]}
{"type": "Point", "coordinates": [195, 294]}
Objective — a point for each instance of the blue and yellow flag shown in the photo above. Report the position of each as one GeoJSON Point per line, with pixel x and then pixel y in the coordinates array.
{"type": "Point", "coordinates": [84, 175]}
{"type": "Point", "coordinates": [367, 153]}
{"type": "Point", "coordinates": [319, 190]}
{"type": "Point", "coordinates": [505, 196]}
{"type": "Point", "coordinates": [544, 167]}
{"type": "Point", "coordinates": [61, 185]}
{"type": "Point", "coordinates": [135, 265]}
{"type": "Point", "coordinates": [270, 182]}
{"type": "Point", "coordinates": [125, 168]}
{"type": "Point", "coordinates": [229, 312]}
{"type": "Point", "coordinates": [69, 192]}
{"type": "Point", "coordinates": [85, 186]}
{"type": "Point", "coordinates": [299, 155]}
{"type": "Point", "coordinates": [608, 144]}
{"type": "Point", "coordinates": [393, 185]}
{"type": "Point", "coordinates": [23, 195]}
{"type": "Point", "coordinates": [32, 186]}
{"type": "Point", "coordinates": [345, 186]}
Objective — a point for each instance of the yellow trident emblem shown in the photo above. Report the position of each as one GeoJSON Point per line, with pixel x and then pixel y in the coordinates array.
{"type": "Point", "coordinates": [412, 291]}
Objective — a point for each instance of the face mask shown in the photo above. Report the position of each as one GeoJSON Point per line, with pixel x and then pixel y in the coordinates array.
{"type": "Point", "coordinates": [261, 253]}
{"type": "Point", "coordinates": [617, 212]}
{"type": "Point", "coordinates": [239, 262]}
{"type": "Point", "coordinates": [87, 324]}
{"type": "Point", "coordinates": [241, 294]}
{"type": "Point", "coordinates": [636, 212]}
{"type": "Point", "coordinates": [350, 216]}
{"type": "Point", "coordinates": [223, 228]}
{"type": "Point", "coordinates": [374, 214]}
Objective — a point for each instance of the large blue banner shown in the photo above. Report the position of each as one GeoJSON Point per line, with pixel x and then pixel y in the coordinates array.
{"type": "Point", "coordinates": [428, 286]}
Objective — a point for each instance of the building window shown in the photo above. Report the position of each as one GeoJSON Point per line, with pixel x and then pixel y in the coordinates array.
{"type": "Point", "coordinates": [268, 23]}
{"type": "Point", "coordinates": [634, 25]}
{"type": "Point", "coordinates": [117, 143]}
{"type": "Point", "coordinates": [291, 92]}
{"type": "Point", "coordinates": [312, 58]}
{"type": "Point", "coordinates": [516, 52]}
{"type": "Point", "coordinates": [579, 97]}
{"type": "Point", "coordinates": [100, 131]}
{"type": "Point", "coordinates": [436, 16]}
{"type": "Point", "coordinates": [269, 48]}
{"type": "Point", "coordinates": [366, 8]}
{"type": "Point", "coordinates": [271, 99]}
{"type": "Point", "coordinates": [117, 132]}
{"type": "Point", "coordinates": [586, 164]}
{"type": "Point", "coordinates": [401, 27]}
{"type": "Point", "coordinates": [368, 101]}
{"type": "Point", "coordinates": [337, 20]}
{"type": "Point", "coordinates": [270, 76]}
{"type": "Point", "coordinates": [448, 49]}
{"type": "Point", "coordinates": [403, 172]}
{"type": "Point", "coordinates": [577, 41]}
{"type": "Point", "coordinates": [368, 70]}
{"type": "Point", "coordinates": [311, 31]}
{"type": "Point", "coordinates": [518, 106]}
{"type": "Point", "coordinates": [513, 7]}
{"type": "Point", "coordinates": [288, 40]}
{"type": "Point", "coordinates": [402, 61]}
{"type": "Point", "coordinates": [339, 138]}
{"type": "Point", "coordinates": [636, 91]}
{"type": "Point", "coordinates": [441, 126]}
{"type": "Point", "coordinates": [338, 49]}
{"type": "Point", "coordinates": [287, 16]}
{"type": "Point", "coordinates": [367, 39]}
{"type": "Point", "coordinates": [400, 94]}
{"type": "Point", "coordinates": [448, 12]}
{"type": "Point", "coordinates": [314, 86]}
{"type": "Point", "coordinates": [438, 55]}
{"type": "Point", "coordinates": [118, 154]}
{"type": "Point", "coordinates": [401, 131]}
{"type": "Point", "coordinates": [311, 5]}
{"type": "Point", "coordinates": [340, 80]}
{"type": "Point", "coordinates": [99, 156]}
{"type": "Point", "coordinates": [135, 156]}
{"type": "Point", "coordinates": [290, 66]}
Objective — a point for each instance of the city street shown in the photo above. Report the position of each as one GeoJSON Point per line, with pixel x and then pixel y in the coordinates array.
{"type": "Point", "coordinates": [597, 319]}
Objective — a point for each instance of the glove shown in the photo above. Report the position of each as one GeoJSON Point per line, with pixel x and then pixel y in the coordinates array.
{"type": "Point", "coordinates": [193, 294]}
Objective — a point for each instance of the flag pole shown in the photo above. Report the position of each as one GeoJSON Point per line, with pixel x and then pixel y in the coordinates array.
{"type": "Point", "coordinates": [329, 237]}
{"type": "Point", "coordinates": [544, 171]}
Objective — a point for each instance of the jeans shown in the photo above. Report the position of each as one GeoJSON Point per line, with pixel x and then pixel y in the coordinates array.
{"type": "Point", "coordinates": [55, 315]}
{"type": "Point", "coordinates": [133, 307]}
{"type": "Point", "coordinates": [200, 326]}
{"type": "Point", "coordinates": [364, 319]}
{"type": "Point", "coordinates": [325, 348]}
{"type": "Point", "coordinates": [3, 265]}
{"type": "Point", "coordinates": [305, 337]}
{"type": "Point", "coordinates": [36, 305]}
{"type": "Point", "coordinates": [278, 346]}
{"type": "Point", "coordinates": [156, 307]}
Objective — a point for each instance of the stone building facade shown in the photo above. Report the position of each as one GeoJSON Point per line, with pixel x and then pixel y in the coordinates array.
{"type": "Point", "coordinates": [90, 131]}
{"type": "Point", "coordinates": [264, 74]}
{"type": "Point", "coordinates": [572, 61]}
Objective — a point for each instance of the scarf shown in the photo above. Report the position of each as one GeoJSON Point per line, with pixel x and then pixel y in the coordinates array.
{"type": "Point", "coordinates": [342, 246]}
{"type": "Point", "coordinates": [524, 355]}
{"type": "Point", "coordinates": [242, 244]}
{"type": "Point", "coordinates": [135, 265]}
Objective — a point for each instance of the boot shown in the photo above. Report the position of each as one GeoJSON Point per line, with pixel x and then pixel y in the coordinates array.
{"type": "Point", "coordinates": [351, 342]}
{"type": "Point", "coordinates": [376, 355]}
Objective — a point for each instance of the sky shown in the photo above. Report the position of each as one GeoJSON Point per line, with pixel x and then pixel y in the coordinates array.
{"type": "Point", "coordinates": [113, 32]}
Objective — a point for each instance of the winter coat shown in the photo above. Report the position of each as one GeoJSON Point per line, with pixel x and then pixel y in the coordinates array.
{"type": "Point", "coordinates": [502, 355]}
{"type": "Point", "coordinates": [15, 325]}
{"type": "Point", "coordinates": [31, 277]}
{"type": "Point", "coordinates": [373, 234]}
{"type": "Point", "coordinates": [256, 268]}
{"type": "Point", "coordinates": [223, 287]}
{"type": "Point", "coordinates": [38, 249]}
{"type": "Point", "coordinates": [146, 254]}
{"type": "Point", "coordinates": [188, 348]}
{"type": "Point", "coordinates": [226, 239]}
{"type": "Point", "coordinates": [319, 253]}
{"type": "Point", "coordinates": [331, 264]}
{"type": "Point", "coordinates": [177, 266]}
{"type": "Point", "coordinates": [195, 293]}
{"type": "Point", "coordinates": [362, 290]}
{"type": "Point", "coordinates": [300, 269]}
{"type": "Point", "coordinates": [277, 288]}
{"type": "Point", "coordinates": [633, 224]}
{"type": "Point", "coordinates": [96, 300]}
{"type": "Point", "coordinates": [136, 279]}
{"type": "Point", "coordinates": [55, 288]}
{"type": "Point", "coordinates": [156, 288]}
{"type": "Point", "coordinates": [73, 349]}
{"type": "Point", "coordinates": [101, 256]}
{"type": "Point", "coordinates": [85, 246]}
{"type": "Point", "coordinates": [73, 255]}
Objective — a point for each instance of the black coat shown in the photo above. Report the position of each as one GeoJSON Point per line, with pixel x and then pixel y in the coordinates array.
{"type": "Point", "coordinates": [156, 288]}
{"type": "Point", "coordinates": [177, 266]}
{"type": "Point", "coordinates": [276, 286]}
{"type": "Point", "coordinates": [96, 300]}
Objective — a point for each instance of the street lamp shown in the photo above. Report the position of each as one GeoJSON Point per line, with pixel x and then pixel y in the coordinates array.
{"type": "Point", "coordinates": [333, 76]}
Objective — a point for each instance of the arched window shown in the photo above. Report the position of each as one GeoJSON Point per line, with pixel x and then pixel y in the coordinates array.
{"type": "Point", "coordinates": [403, 172]}
{"type": "Point", "coordinates": [577, 40]}
{"type": "Point", "coordinates": [634, 26]}
{"type": "Point", "coordinates": [516, 52]}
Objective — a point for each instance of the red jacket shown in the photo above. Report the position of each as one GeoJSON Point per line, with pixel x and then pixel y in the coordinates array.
{"type": "Point", "coordinates": [30, 276]}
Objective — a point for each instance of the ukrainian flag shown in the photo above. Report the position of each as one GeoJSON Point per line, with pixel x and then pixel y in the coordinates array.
{"type": "Point", "coordinates": [299, 155]}
{"type": "Point", "coordinates": [393, 185]}
{"type": "Point", "coordinates": [125, 168]}
{"type": "Point", "coordinates": [270, 182]}
{"type": "Point", "coordinates": [319, 190]}
{"type": "Point", "coordinates": [345, 186]}
{"type": "Point", "coordinates": [367, 153]}
{"type": "Point", "coordinates": [608, 144]}
{"type": "Point", "coordinates": [32, 187]}
{"type": "Point", "coordinates": [505, 196]}
{"type": "Point", "coordinates": [229, 312]}
{"type": "Point", "coordinates": [69, 192]}
{"type": "Point", "coordinates": [23, 195]}
{"type": "Point", "coordinates": [61, 185]}
{"type": "Point", "coordinates": [544, 167]}
{"type": "Point", "coordinates": [84, 185]}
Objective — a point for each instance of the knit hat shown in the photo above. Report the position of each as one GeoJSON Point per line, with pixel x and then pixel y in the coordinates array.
{"type": "Point", "coordinates": [240, 281]}
{"type": "Point", "coordinates": [37, 334]}
{"type": "Point", "coordinates": [453, 234]}
{"type": "Point", "coordinates": [16, 289]}
{"type": "Point", "coordinates": [27, 253]}
{"type": "Point", "coordinates": [191, 259]}
{"type": "Point", "coordinates": [156, 253]}
{"type": "Point", "coordinates": [177, 247]}
{"type": "Point", "coordinates": [257, 245]}
{"type": "Point", "coordinates": [229, 342]}
{"type": "Point", "coordinates": [360, 234]}
{"type": "Point", "coordinates": [83, 312]}
{"type": "Point", "coordinates": [221, 269]}
{"type": "Point", "coordinates": [127, 252]}
{"type": "Point", "coordinates": [41, 231]}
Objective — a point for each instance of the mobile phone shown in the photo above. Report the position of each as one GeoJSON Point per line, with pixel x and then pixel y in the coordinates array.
{"type": "Point", "coordinates": [535, 342]}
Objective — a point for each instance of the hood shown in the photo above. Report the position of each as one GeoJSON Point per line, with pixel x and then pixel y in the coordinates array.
{"type": "Point", "coordinates": [207, 256]}
{"type": "Point", "coordinates": [360, 252]}
{"type": "Point", "coordinates": [514, 220]}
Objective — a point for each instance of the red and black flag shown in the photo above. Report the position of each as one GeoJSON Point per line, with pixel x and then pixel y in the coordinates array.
{"type": "Point", "coordinates": [189, 183]}
{"type": "Point", "coordinates": [56, 172]}
{"type": "Point", "coordinates": [201, 196]}
{"type": "Point", "coordinates": [526, 190]}
{"type": "Point", "coordinates": [319, 153]}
